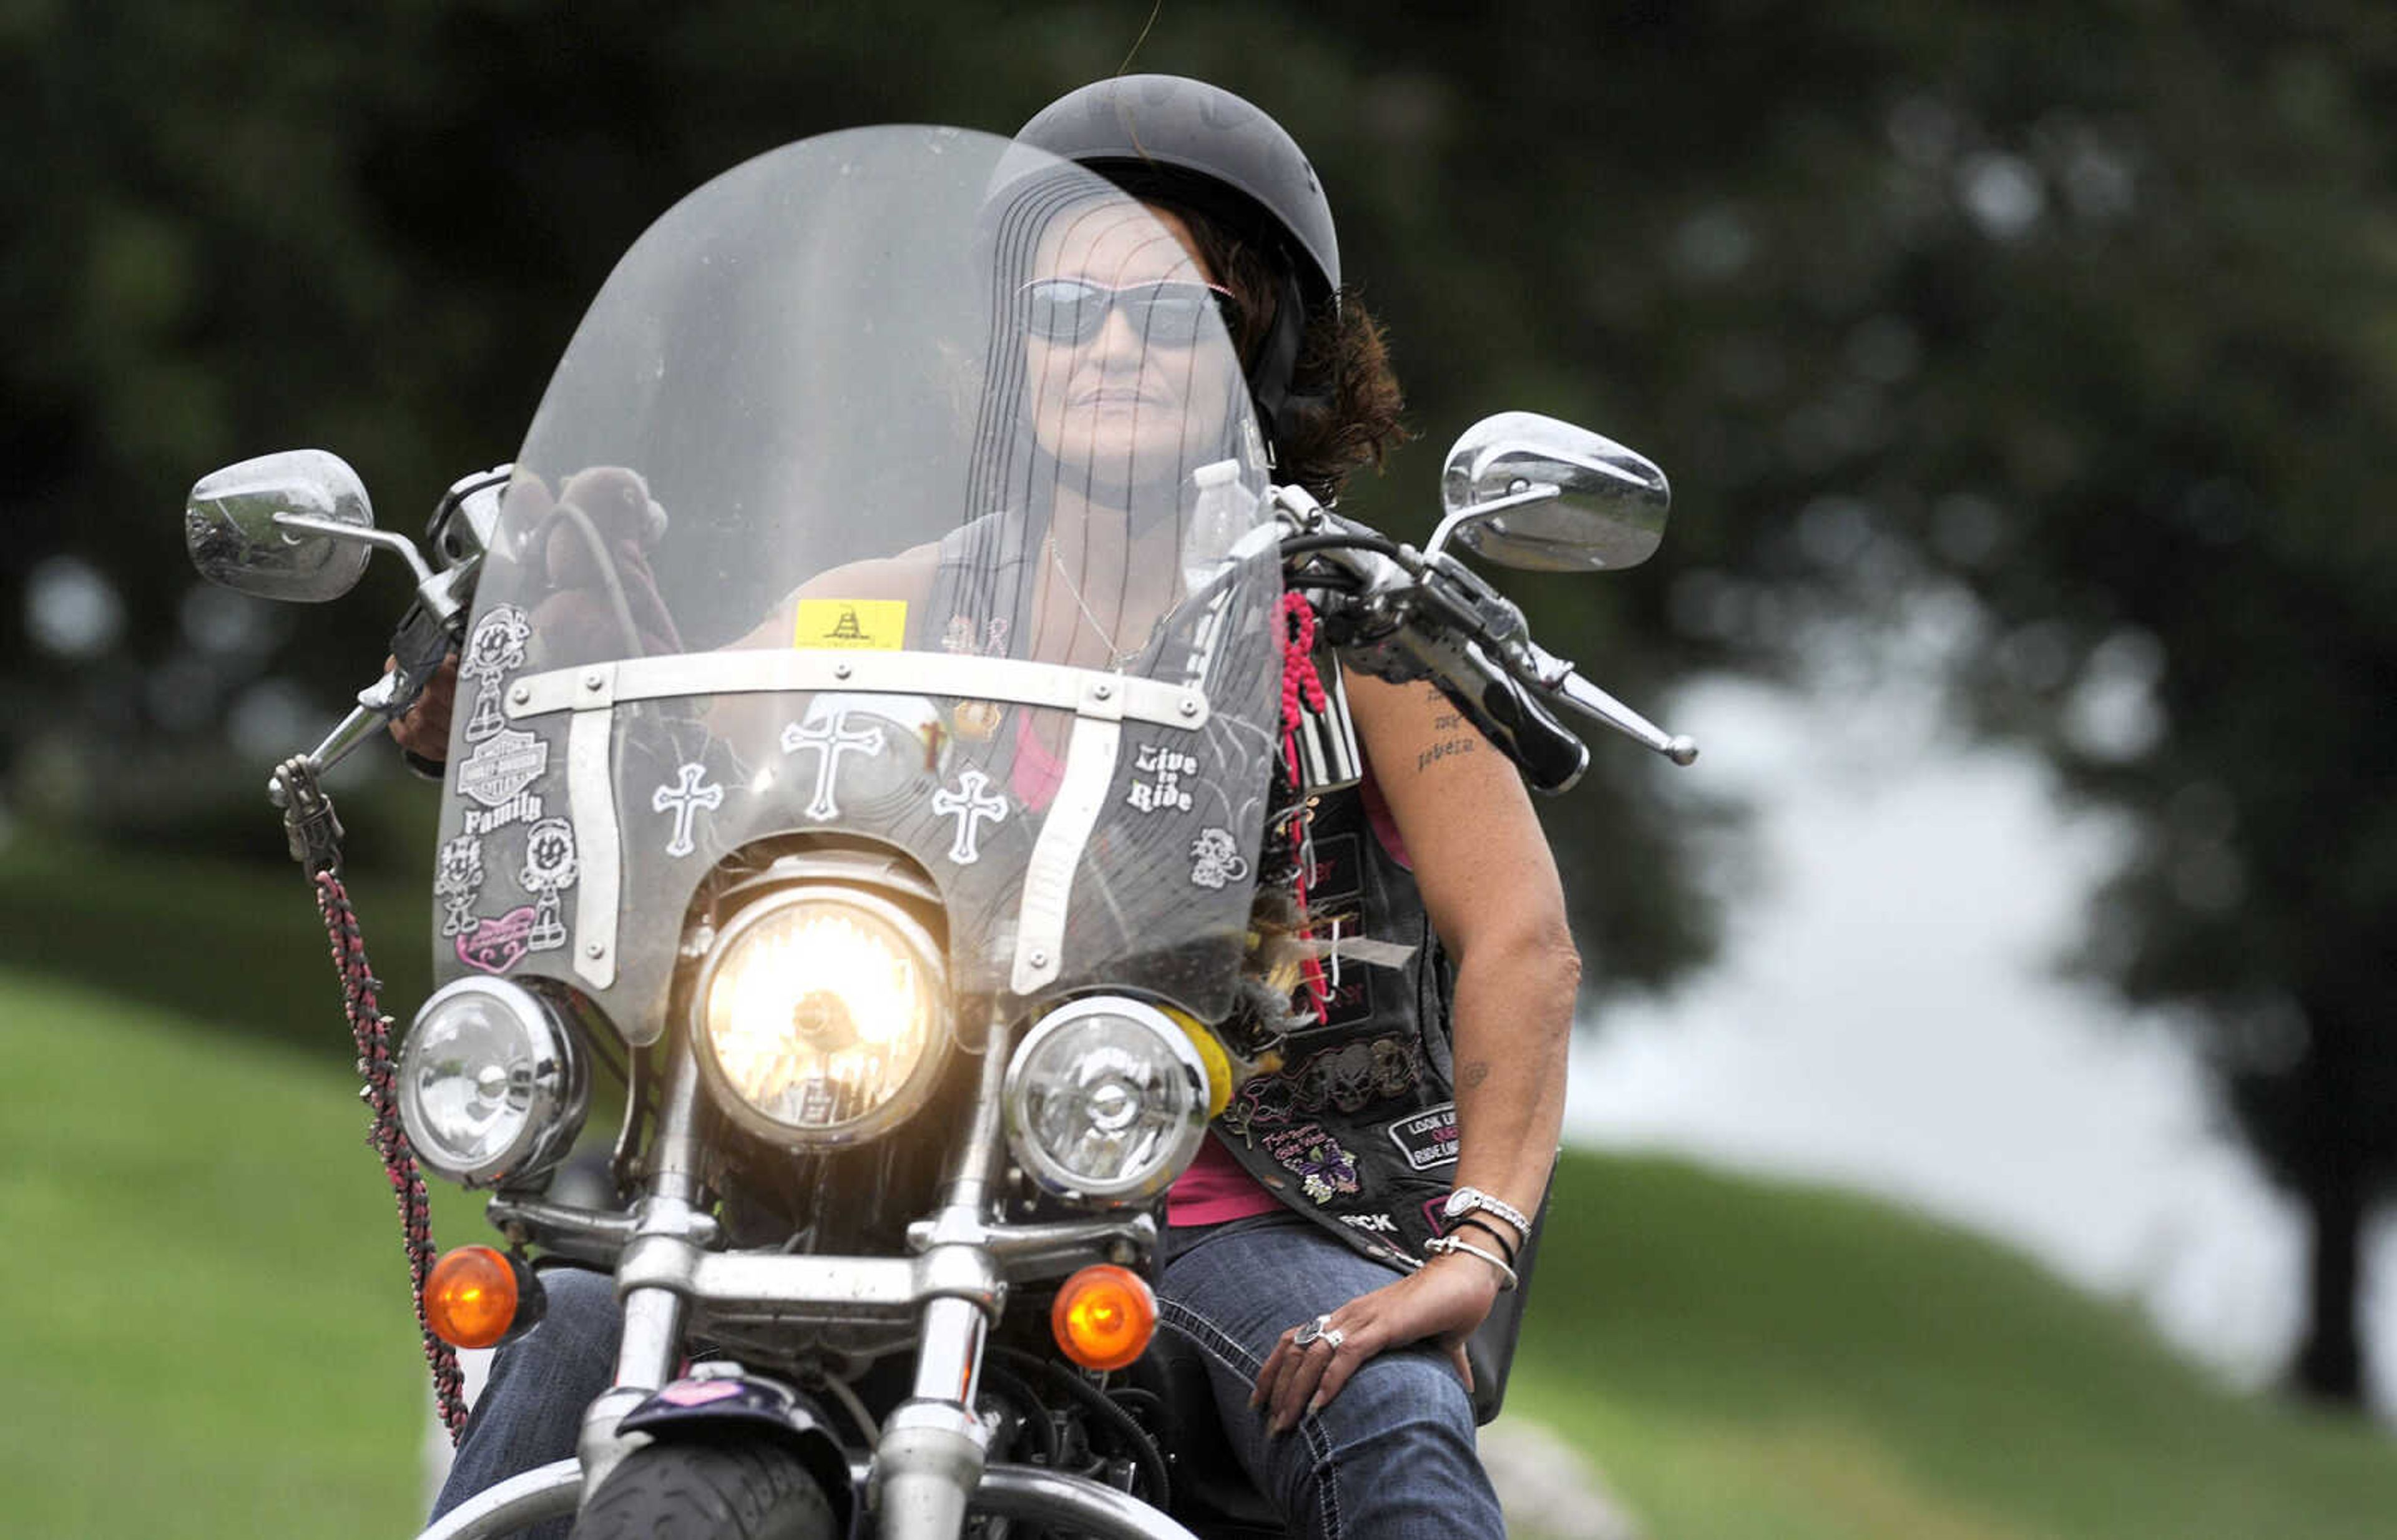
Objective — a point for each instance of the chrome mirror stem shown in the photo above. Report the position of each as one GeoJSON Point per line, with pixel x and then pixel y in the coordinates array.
{"type": "Point", "coordinates": [381, 540]}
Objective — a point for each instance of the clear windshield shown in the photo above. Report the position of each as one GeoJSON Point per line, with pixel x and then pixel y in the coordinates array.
{"type": "Point", "coordinates": [900, 486]}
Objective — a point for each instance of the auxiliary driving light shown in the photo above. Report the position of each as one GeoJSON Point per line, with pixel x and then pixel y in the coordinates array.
{"type": "Point", "coordinates": [1104, 1316]}
{"type": "Point", "coordinates": [822, 1016]}
{"type": "Point", "coordinates": [492, 1087]}
{"type": "Point", "coordinates": [1106, 1100]}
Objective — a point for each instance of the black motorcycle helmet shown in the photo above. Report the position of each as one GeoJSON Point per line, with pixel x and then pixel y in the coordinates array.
{"type": "Point", "coordinates": [1170, 139]}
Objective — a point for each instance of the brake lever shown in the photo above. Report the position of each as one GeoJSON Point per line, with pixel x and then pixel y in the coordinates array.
{"type": "Point", "coordinates": [1557, 679]}
{"type": "Point", "coordinates": [418, 647]}
{"type": "Point", "coordinates": [1415, 618]}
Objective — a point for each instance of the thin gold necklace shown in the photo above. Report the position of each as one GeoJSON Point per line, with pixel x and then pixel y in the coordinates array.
{"type": "Point", "coordinates": [1116, 656]}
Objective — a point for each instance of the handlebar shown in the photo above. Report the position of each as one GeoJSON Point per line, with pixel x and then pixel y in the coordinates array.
{"type": "Point", "coordinates": [1393, 612]}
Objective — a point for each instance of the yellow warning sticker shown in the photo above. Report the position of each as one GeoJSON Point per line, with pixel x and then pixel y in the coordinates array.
{"type": "Point", "coordinates": [879, 625]}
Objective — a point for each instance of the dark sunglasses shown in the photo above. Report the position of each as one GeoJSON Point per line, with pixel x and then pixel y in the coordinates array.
{"type": "Point", "coordinates": [1166, 313]}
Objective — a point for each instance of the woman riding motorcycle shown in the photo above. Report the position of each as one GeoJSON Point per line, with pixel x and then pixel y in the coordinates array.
{"type": "Point", "coordinates": [1355, 1215]}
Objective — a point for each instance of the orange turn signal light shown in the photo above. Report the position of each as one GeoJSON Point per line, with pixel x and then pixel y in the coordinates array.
{"type": "Point", "coordinates": [1104, 1316]}
{"type": "Point", "coordinates": [470, 1300]}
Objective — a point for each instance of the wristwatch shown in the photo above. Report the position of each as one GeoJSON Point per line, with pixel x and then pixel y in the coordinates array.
{"type": "Point", "coordinates": [1464, 1200]}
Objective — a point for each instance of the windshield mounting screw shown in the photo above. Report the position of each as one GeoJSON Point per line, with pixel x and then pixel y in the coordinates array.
{"type": "Point", "coordinates": [1189, 705]}
{"type": "Point", "coordinates": [1102, 691]}
{"type": "Point", "coordinates": [520, 694]}
{"type": "Point", "coordinates": [841, 671]}
{"type": "Point", "coordinates": [596, 950]}
{"type": "Point", "coordinates": [593, 679]}
{"type": "Point", "coordinates": [1038, 959]}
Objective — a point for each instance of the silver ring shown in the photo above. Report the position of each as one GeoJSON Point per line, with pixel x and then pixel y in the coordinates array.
{"type": "Point", "coordinates": [1318, 1329]}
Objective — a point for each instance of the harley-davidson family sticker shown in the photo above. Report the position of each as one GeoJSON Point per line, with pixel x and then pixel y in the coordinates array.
{"type": "Point", "coordinates": [496, 775]}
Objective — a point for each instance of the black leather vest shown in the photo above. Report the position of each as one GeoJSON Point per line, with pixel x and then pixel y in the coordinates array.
{"type": "Point", "coordinates": [1357, 1129]}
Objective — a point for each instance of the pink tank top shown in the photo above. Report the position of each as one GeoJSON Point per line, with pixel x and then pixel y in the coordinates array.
{"type": "Point", "coordinates": [1216, 1189]}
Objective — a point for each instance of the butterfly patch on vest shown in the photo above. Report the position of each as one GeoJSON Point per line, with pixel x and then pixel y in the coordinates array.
{"type": "Point", "coordinates": [1324, 1168]}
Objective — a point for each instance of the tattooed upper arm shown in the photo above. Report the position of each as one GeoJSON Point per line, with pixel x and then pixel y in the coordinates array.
{"type": "Point", "coordinates": [1451, 734]}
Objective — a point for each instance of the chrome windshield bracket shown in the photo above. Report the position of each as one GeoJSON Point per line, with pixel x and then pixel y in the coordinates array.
{"type": "Point", "coordinates": [743, 671]}
{"type": "Point", "coordinates": [590, 792]}
{"type": "Point", "coordinates": [1049, 875]}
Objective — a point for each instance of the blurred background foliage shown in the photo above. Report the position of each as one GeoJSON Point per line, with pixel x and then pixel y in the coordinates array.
{"type": "Point", "coordinates": [2053, 346]}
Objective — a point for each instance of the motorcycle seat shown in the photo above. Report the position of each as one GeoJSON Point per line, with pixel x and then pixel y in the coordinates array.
{"type": "Point", "coordinates": [1212, 1495]}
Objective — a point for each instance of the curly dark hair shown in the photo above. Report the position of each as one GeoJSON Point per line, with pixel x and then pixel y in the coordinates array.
{"type": "Point", "coordinates": [1347, 393]}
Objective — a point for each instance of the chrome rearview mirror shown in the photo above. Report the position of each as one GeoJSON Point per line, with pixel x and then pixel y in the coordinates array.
{"type": "Point", "coordinates": [289, 526]}
{"type": "Point", "coordinates": [1530, 491]}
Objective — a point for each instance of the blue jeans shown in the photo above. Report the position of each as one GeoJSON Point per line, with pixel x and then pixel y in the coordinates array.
{"type": "Point", "coordinates": [531, 1406]}
{"type": "Point", "coordinates": [1391, 1459]}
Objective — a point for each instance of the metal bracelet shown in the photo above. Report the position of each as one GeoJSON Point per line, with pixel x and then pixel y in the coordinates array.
{"type": "Point", "coordinates": [1491, 1230]}
{"type": "Point", "coordinates": [1464, 1200]}
{"type": "Point", "coordinates": [1446, 1243]}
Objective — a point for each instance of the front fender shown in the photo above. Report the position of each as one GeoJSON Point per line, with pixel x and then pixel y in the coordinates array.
{"type": "Point", "coordinates": [711, 1407]}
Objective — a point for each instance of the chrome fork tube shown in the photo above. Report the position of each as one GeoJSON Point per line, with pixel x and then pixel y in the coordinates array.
{"type": "Point", "coordinates": [930, 1456]}
{"type": "Point", "coordinates": [654, 1318]}
{"type": "Point", "coordinates": [975, 1169]}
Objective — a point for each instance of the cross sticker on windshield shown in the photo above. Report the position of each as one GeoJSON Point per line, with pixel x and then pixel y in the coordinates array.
{"type": "Point", "coordinates": [684, 800]}
{"type": "Point", "coordinates": [969, 805]}
{"type": "Point", "coordinates": [830, 737]}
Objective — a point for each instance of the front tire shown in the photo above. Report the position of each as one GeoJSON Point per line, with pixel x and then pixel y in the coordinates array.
{"type": "Point", "coordinates": [753, 1490]}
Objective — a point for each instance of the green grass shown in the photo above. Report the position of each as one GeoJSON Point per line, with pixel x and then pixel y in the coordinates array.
{"type": "Point", "coordinates": [207, 1333]}
{"type": "Point", "coordinates": [206, 1303]}
{"type": "Point", "coordinates": [1750, 1359]}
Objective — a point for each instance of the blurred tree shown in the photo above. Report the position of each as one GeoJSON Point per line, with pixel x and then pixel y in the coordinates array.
{"type": "Point", "coordinates": [2062, 339]}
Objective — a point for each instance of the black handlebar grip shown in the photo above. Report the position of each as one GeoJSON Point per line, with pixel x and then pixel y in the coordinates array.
{"type": "Point", "coordinates": [1547, 752]}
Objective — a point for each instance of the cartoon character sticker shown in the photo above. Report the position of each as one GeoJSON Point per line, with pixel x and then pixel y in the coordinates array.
{"type": "Point", "coordinates": [457, 879]}
{"type": "Point", "coordinates": [493, 651]}
{"type": "Point", "coordinates": [549, 868]}
{"type": "Point", "coordinates": [1216, 860]}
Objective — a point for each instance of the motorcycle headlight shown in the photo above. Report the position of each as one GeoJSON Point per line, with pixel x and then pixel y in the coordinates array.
{"type": "Point", "coordinates": [1107, 1101]}
{"type": "Point", "coordinates": [822, 1016]}
{"type": "Point", "coordinates": [492, 1088]}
